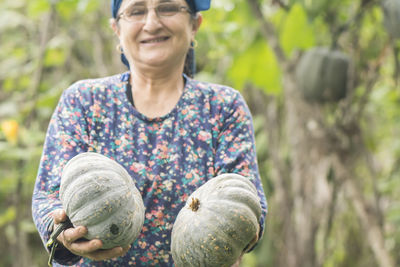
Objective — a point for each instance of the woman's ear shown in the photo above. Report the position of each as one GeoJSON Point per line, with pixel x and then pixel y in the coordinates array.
{"type": "Point", "coordinates": [114, 26]}
{"type": "Point", "coordinates": [197, 22]}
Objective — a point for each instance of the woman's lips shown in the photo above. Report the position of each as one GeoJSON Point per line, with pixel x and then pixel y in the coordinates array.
{"type": "Point", "coordinates": [155, 40]}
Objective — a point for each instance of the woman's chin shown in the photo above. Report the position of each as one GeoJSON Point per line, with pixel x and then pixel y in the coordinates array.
{"type": "Point", "coordinates": [155, 63]}
{"type": "Point", "coordinates": [159, 62]}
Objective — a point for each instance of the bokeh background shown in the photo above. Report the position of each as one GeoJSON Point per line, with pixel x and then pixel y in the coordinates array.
{"type": "Point", "coordinates": [330, 167]}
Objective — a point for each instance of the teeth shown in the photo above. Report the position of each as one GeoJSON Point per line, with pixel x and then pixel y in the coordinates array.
{"type": "Point", "coordinates": [156, 40]}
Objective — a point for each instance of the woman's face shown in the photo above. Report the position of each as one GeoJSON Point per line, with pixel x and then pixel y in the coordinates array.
{"type": "Point", "coordinates": [156, 41]}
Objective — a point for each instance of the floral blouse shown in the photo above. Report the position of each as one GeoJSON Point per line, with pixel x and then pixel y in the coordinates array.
{"type": "Point", "coordinates": [209, 132]}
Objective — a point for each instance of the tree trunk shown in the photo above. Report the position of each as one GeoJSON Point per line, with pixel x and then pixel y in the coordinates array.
{"type": "Point", "coordinates": [310, 167]}
{"type": "Point", "coordinates": [314, 150]}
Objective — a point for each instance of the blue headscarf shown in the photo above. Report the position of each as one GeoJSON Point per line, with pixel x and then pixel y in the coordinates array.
{"type": "Point", "coordinates": [195, 6]}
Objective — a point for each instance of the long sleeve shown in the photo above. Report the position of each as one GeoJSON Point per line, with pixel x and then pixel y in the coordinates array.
{"type": "Point", "coordinates": [66, 137]}
{"type": "Point", "coordinates": [209, 132]}
{"type": "Point", "coordinates": [236, 151]}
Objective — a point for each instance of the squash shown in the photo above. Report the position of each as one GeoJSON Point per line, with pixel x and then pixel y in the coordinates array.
{"type": "Point", "coordinates": [98, 193]}
{"type": "Point", "coordinates": [219, 221]}
{"type": "Point", "coordinates": [391, 17]}
{"type": "Point", "coordinates": [322, 74]}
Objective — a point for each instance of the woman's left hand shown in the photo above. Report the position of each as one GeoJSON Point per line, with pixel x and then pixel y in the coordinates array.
{"type": "Point", "coordinates": [91, 249]}
{"type": "Point", "coordinates": [251, 244]}
{"type": "Point", "coordinates": [237, 263]}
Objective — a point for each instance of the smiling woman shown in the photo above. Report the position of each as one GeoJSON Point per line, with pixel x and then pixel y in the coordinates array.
{"type": "Point", "coordinates": [136, 12]}
{"type": "Point", "coordinates": [156, 43]}
{"type": "Point", "coordinates": [170, 132]}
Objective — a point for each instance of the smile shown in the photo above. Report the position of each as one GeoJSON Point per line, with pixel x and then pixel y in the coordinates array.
{"type": "Point", "coordinates": [155, 40]}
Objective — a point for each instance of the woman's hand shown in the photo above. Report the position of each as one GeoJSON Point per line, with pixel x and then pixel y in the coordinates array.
{"type": "Point", "coordinates": [249, 246]}
{"type": "Point", "coordinates": [237, 263]}
{"type": "Point", "coordinates": [89, 249]}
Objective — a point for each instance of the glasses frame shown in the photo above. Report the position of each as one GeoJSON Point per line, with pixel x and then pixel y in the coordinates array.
{"type": "Point", "coordinates": [181, 9]}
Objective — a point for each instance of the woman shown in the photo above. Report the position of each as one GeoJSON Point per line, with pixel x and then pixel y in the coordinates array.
{"type": "Point", "coordinates": [170, 132]}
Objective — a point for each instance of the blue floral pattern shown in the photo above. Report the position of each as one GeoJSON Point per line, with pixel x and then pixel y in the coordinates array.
{"type": "Point", "coordinates": [209, 132]}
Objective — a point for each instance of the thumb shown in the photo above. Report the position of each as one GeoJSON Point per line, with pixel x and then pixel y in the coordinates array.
{"type": "Point", "coordinates": [59, 216]}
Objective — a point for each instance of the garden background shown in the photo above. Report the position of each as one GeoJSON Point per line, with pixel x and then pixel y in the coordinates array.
{"type": "Point", "coordinates": [330, 168]}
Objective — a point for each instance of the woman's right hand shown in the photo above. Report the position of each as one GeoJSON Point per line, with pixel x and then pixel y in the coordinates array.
{"type": "Point", "coordinates": [89, 249]}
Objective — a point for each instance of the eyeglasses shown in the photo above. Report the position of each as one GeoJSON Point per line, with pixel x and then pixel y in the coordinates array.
{"type": "Point", "coordinates": [136, 13]}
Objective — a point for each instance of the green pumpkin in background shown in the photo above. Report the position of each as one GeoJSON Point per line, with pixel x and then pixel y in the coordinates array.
{"type": "Point", "coordinates": [322, 74]}
{"type": "Point", "coordinates": [391, 17]}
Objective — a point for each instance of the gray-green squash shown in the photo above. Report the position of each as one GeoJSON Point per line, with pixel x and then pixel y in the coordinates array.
{"type": "Point", "coordinates": [322, 74]}
{"type": "Point", "coordinates": [98, 193]}
{"type": "Point", "coordinates": [391, 17]}
{"type": "Point", "coordinates": [218, 223]}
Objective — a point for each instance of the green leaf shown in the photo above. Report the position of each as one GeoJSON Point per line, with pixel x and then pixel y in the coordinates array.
{"type": "Point", "coordinates": [8, 84]}
{"type": "Point", "coordinates": [27, 226]}
{"type": "Point", "coordinates": [88, 6]}
{"type": "Point", "coordinates": [67, 8]}
{"type": "Point", "coordinates": [7, 216]}
{"type": "Point", "coordinates": [296, 32]}
{"type": "Point", "coordinates": [54, 57]}
{"type": "Point", "coordinates": [259, 66]}
{"type": "Point", "coordinates": [37, 8]}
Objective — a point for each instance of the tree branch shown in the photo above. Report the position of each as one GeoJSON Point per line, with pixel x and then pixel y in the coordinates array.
{"type": "Point", "coordinates": [331, 214]}
{"type": "Point", "coordinates": [373, 74]}
{"type": "Point", "coordinates": [44, 38]}
{"type": "Point", "coordinates": [98, 54]}
{"type": "Point", "coordinates": [396, 51]}
{"type": "Point", "coordinates": [281, 4]}
{"type": "Point", "coordinates": [268, 31]}
{"type": "Point", "coordinates": [353, 20]}
{"type": "Point", "coordinates": [33, 89]}
{"type": "Point", "coordinates": [347, 115]}
{"type": "Point", "coordinates": [370, 162]}
{"type": "Point", "coordinates": [374, 233]}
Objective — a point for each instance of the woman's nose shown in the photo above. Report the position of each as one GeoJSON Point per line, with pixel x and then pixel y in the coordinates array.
{"type": "Point", "coordinates": [151, 21]}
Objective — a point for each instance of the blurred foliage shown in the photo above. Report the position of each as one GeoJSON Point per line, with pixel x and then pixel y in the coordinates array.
{"type": "Point", "coordinates": [49, 44]}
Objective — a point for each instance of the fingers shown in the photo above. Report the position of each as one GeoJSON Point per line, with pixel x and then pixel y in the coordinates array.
{"type": "Point", "coordinates": [59, 216]}
{"type": "Point", "coordinates": [84, 248]}
{"type": "Point", "coordinates": [70, 235]}
{"type": "Point", "coordinates": [90, 249]}
{"type": "Point", "coordinates": [125, 250]}
{"type": "Point", "coordinates": [237, 263]}
{"type": "Point", "coordinates": [107, 253]}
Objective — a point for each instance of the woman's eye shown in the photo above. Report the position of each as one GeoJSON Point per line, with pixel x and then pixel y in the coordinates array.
{"type": "Point", "coordinates": [168, 9]}
{"type": "Point", "coordinates": [136, 12]}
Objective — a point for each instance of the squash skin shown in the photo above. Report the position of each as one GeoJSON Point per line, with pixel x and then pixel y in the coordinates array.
{"type": "Point", "coordinates": [322, 74]}
{"type": "Point", "coordinates": [98, 193]}
{"type": "Point", "coordinates": [218, 222]}
{"type": "Point", "coordinates": [391, 17]}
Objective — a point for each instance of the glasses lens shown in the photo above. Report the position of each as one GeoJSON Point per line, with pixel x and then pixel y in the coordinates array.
{"type": "Point", "coordinates": [135, 12]}
{"type": "Point", "coordinates": [167, 9]}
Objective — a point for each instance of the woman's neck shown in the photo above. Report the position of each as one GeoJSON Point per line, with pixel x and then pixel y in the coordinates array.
{"type": "Point", "coordinates": [156, 94]}
{"type": "Point", "coordinates": [155, 83]}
